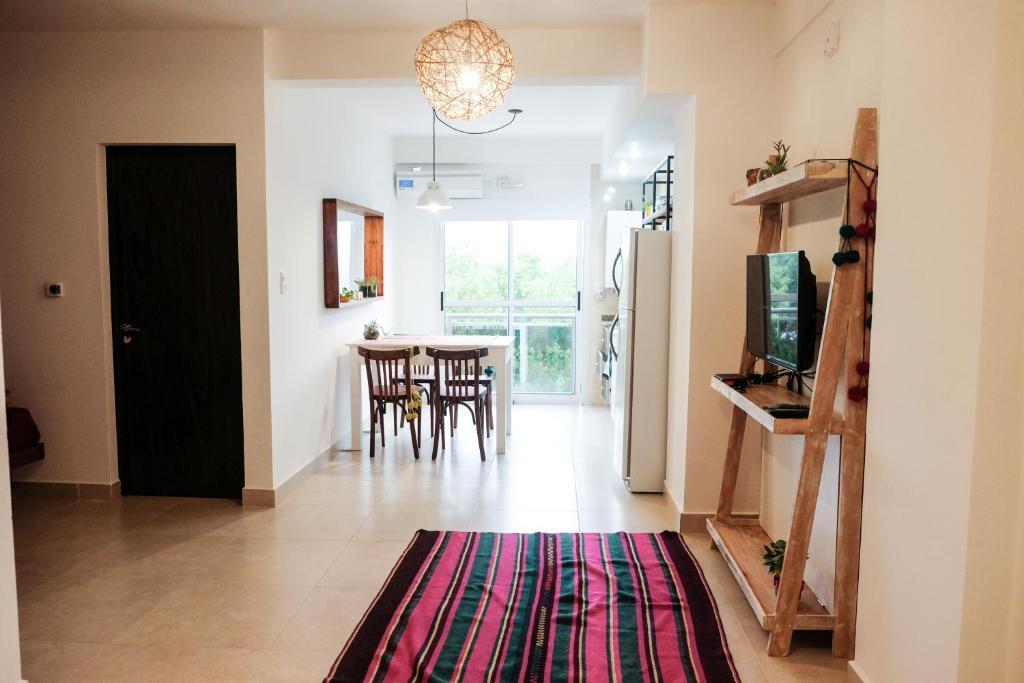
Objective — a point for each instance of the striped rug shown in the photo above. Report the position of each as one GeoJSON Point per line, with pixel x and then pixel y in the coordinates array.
{"type": "Point", "coordinates": [540, 607]}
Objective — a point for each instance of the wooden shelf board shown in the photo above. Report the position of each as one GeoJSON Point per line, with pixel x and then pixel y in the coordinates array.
{"type": "Point", "coordinates": [741, 543]}
{"type": "Point", "coordinates": [757, 395]}
{"type": "Point", "coordinates": [806, 179]}
{"type": "Point", "coordinates": [358, 302]}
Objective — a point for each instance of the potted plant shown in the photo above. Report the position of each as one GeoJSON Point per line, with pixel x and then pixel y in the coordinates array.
{"type": "Point", "coordinates": [773, 557]}
{"type": "Point", "coordinates": [372, 285]}
{"type": "Point", "coordinates": [371, 330]}
{"type": "Point", "coordinates": [364, 286]}
{"type": "Point", "coordinates": [776, 163]}
{"type": "Point", "coordinates": [346, 295]}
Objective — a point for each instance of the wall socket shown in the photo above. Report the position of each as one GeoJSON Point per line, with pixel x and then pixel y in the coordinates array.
{"type": "Point", "coordinates": [54, 289]}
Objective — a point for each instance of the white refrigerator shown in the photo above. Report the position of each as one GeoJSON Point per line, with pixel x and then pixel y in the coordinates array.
{"type": "Point", "coordinates": [640, 343]}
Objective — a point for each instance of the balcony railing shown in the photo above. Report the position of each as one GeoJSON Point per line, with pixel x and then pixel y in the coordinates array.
{"type": "Point", "coordinates": [544, 358]}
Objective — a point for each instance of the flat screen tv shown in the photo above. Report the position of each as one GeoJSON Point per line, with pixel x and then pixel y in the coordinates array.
{"type": "Point", "coordinates": [781, 309]}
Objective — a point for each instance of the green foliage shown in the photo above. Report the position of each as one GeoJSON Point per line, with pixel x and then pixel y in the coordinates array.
{"type": "Point", "coordinates": [773, 557]}
{"type": "Point", "coordinates": [781, 160]}
{"type": "Point", "coordinates": [471, 276]}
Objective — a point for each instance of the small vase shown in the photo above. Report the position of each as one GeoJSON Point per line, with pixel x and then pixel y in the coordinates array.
{"type": "Point", "coordinates": [370, 336]}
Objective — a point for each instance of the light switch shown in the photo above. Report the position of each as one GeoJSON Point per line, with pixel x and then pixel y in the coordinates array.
{"type": "Point", "coordinates": [284, 282]}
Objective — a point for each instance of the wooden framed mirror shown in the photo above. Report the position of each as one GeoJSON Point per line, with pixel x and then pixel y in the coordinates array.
{"type": "Point", "coordinates": [353, 250]}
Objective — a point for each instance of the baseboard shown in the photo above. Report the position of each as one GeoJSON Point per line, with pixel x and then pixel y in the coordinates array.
{"type": "Point", "coordinates": [695, 522]}
{"type": "Point", "coordinates": [854, 673]}
{"type": "Point", "coordinates": [268, 498]}
{"type": "Point", "coordinates": [66, 490]}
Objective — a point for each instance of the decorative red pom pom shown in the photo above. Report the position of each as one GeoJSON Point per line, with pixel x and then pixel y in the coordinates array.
{"type": "Point", "coordinates": [862, 230]}
{"type": "Point", "coordinates": [863, 367]}
{"type": "Point", "coordinates": [857, 394]}
{"type": "Point", "coordinates": [870, 205]}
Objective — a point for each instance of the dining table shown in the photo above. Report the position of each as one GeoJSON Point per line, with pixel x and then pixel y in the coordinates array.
{"type": "Point", "coordinates": [499, 356]}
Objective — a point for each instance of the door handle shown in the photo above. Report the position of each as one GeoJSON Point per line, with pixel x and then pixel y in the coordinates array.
{"type": "Point", "coordinates": [615, 280]}
{"type": "Point", "coordinates": [127, 330]}
{"type": "Point", "coordinates": [611, 338]}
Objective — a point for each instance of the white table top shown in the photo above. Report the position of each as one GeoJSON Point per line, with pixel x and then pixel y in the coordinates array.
{"type": "Point", "coordinates": [448, 341]}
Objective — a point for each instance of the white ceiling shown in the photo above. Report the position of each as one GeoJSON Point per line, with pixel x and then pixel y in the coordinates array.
{"type": "Point", "coordinates": [311, 14]}
{"type": "Point", "coordinates": [564, 111]}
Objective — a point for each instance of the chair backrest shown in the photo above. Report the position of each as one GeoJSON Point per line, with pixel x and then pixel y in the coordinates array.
{"type": "Point", "coordinates": [387, 369]}
{"type": "Point", "coordinates": [459, 370]}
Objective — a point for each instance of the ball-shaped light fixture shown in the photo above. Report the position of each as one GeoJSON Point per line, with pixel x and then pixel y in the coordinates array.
{"type": "Point", "coordinates": [464, 69]}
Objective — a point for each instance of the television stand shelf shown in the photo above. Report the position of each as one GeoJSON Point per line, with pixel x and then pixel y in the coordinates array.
{"type": "Point", "coordinates": [751, 400]}
{"type": "Point", "coordinates": [810, 177]}
{"type": "Point", "coordinates": [740, 542]}
{"type": "Point", "coordinates": [845, 340]}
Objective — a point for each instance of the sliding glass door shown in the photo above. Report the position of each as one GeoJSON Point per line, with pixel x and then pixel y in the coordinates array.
{"type": "Point", "coordinates": [519, 278]}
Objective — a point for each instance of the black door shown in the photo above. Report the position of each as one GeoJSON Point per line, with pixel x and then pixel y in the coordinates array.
{"type": "Point", "coordinates": [174, 307]}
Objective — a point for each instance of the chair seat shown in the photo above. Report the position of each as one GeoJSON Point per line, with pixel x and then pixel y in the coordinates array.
{"type": "Point", "coordinates": [468, 392]}
{"type": "Point", "coordinates": [395, 391]}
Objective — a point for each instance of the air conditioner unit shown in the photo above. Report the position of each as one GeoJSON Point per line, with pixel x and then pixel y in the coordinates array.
{"type": "Point", "coordinates": [455, 185]}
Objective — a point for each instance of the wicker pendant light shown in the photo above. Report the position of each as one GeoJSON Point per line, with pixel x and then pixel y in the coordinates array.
{"type": "Point", "coordinates": [464, 69]}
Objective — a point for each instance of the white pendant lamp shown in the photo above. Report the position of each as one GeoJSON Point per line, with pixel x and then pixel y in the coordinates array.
{"type": "Point", "coordinates": [433, 198]}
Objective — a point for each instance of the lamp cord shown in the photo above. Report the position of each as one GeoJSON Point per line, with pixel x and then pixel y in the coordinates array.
{"type": "Point", "coordinates": [514, 112]}
{"type": "Point", "coordinates": [433, 145]}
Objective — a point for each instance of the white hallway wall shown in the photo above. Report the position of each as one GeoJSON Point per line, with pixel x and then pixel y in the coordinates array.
{"type": "Point", "coordinates": [320, 143]}
{"type": "Point", "coordinates": [73, 93]}
{"type": "Point", "coordinates": [10, 646]}
{"type": "Point", "coordinates": [719, 53]}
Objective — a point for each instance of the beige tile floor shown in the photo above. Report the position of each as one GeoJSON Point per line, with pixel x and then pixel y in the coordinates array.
{"type": "Point", "coordinates": [162, 589]}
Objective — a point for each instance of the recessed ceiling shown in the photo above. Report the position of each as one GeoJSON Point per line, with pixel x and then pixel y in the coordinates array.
{"type": "Point", "coordinates": [39, 15]}
{"type": "Point", "coordinates": [565, 111]}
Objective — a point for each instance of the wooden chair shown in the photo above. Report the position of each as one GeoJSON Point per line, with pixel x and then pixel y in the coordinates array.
{"type": "Point", "coordinates": [457, 382]}
{"type": "Point", "coordinates": [386, 371]}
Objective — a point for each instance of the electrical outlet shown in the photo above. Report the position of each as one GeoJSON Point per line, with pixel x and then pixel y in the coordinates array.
{"type": "Point", "coordinates": [832, 40]}
{"type": "Point", "coordinates": [54, 289]}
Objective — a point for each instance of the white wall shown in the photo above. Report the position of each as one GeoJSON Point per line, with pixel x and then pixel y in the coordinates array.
{"type": "Point", "coordinates": [549, 192]}
{"type": "Point", "coordinates": [67, 95]}
{"type": "Point", "coordinates": [719, 53]}
{"type": "Point", "coordinates": [942, 487]}
{"type": "Point", "coordinates": [566, 53]}
{"type": "Point", "coordinates": [320, 143]}
{"type": "Point", "coordinates": [10, 647]}
{"type": "Point", "coordinates": [817, 98]}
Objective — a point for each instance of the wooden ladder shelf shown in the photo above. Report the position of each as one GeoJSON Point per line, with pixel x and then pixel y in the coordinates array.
{"type": "Point", "coordinates": [795, 607]}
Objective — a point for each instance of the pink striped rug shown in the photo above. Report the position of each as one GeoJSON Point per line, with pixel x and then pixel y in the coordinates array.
{"type": "Point", "coordinates": [540, 607]}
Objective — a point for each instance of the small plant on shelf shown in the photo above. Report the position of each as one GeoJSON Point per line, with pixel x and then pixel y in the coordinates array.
{"type": "Point", "coordinates": [773, 557]}
{"type": "Point", "coordinates": [371, 330]}
{"type": "Point", "coordinates": [346, 295]}
{"type": "Point", "coordinates": [367, 286]}
{"type": "Point", "coordinates": [776, 163]}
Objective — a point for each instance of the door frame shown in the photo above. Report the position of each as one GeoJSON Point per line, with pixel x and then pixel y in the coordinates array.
{"type": "Point", "coordinates": [576, 396]}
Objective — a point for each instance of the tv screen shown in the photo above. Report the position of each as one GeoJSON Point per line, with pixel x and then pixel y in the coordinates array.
{"type": "Point", "coordinates": [781, 309]}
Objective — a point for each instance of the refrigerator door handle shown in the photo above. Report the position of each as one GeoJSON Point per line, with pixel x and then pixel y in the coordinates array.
{"type": "Point", "coordinates": [615, 265]}
{"type": "Point", "coordinates": [611, 338]}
